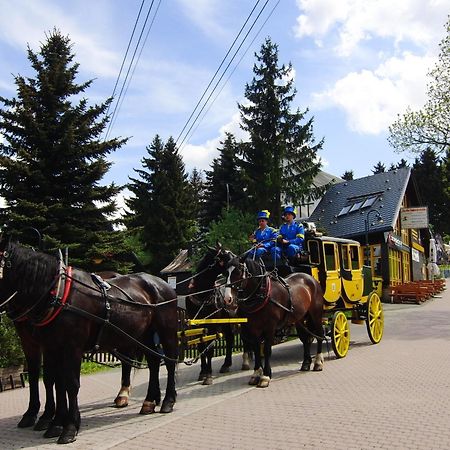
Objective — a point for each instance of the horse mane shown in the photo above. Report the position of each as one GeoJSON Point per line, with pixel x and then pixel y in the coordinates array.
{"type": "Point", "coordinates": [31, 272]}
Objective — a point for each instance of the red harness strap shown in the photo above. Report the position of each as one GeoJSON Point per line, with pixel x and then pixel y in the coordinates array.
{"type": "Point", "coordinates": [56, 310]}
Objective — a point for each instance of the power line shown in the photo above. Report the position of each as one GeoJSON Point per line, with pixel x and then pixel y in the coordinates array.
{"type": "Point", "coordinates": [232, 72]}
{"type": "Point", "coordinates": [128, 71]}
{"type": "Point", "coordinates": [217, 71]}
{"type": "Point", "coordinates": [137, 61]}
{"type": "Point", "coordinates": [223, 73]}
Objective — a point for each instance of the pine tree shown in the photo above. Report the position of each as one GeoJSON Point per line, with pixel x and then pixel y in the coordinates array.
{"type": "Point", "coordinates": [224, 182]}
{"type": "Point", "coordinates": [280, 160]}
{"type": "Point", "coordinates": [379, 167]}
{"type": "Point", "coordinates": [161, 204]}
{"type": "Point", "coordinates": [52, 155]}
{"type": "Point", "coordinates": [428, 173]}
{"type": "Point", "coordinates": [197, 195]}
{"type": "Point", "coordinates": [347, 175]}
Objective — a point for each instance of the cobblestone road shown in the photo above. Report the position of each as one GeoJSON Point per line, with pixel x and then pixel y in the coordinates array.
{"type": "Point", "coordinates": [394, 395]}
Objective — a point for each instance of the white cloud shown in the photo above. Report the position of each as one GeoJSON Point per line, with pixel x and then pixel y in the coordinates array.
{"type": "Point", "coordinates": [92, 47]}
{"type": "Point", "coordinates": [371, 100]}
{"type": "Point", "coordinates": [416, 21]}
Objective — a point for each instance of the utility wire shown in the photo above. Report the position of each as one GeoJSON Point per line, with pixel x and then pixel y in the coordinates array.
{"type": "Point", "coordinates": [137, 61]}
{"type": "Point", "coordinates": [128, 71]}
{"type": "Point", "coordinates": [126, 53]}
{"type": "Point", "coordinates": [217, 71]}
{"type": "Point", "coordinates": [223, 73]}
{"type": "Point", "coordinates": [232, 72]}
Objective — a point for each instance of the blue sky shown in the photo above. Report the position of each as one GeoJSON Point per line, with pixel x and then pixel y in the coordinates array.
{"type": "Point", "coordinates": [357, 64]}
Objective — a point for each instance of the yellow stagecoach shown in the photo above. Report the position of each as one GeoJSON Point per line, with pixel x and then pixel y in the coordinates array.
{"type": "Point", "coordinates": [337, 264]}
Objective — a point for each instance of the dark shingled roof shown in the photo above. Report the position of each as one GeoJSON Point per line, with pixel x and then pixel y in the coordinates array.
{"type": "Point", "coordinates": [388, 187]}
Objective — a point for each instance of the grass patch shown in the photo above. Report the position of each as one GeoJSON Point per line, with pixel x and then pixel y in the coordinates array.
{"type": "Point", "coordinates": [90, 367]}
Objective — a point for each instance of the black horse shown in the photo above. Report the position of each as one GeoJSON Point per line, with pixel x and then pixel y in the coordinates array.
{"type": "Point", "coordinates": [206, 301]}
{"type": "Point", "coordinates": [270, 303]}
{"type": "Point", "coordinates": [86, 317]}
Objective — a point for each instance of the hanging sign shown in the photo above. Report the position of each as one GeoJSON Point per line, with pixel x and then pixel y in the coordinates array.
{"type": "Point", "coordinates": [414, 217]}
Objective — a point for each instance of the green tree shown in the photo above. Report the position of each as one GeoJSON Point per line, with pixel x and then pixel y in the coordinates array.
{"type": "Point", "coordinates": [10, 348]}
{"type": "Point", "coordinates": [348, 175]}
{"type": "Point", "coordinates": [428, 173]}
{"type": "Point", "coordinates": [280, 159]}
{"type": "Point", "coordinates": [402, 163]}
{"type": "Point", "coordinates": [232, 230]}
{"type": "Point", "coordinates": [379, 167]}
{"type": "Point", "coordinates": [161, 207]}
{"type": "Point", "coordinates": [224, 182]}
{"type": "Point", "coordinates": [428, 128]}
{"type": "Point", "coordinates": [53, 157]}
{"type": "Point", "coordinates": [197, 193]}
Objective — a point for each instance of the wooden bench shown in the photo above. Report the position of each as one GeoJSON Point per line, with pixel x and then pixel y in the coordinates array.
{"type": "Point", "coordinates": [410, 293]}
{"type": "Point", "coordinates": [11, 378]}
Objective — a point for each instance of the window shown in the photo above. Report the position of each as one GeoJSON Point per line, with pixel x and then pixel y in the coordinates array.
{"type": "Point", "coordinates": [329, 256]}
{"type": "Point", "coordinates": [369, 201]}
{"type": "Point", "coordinates": [356, 205]}
{"type": "Point", "coordinates": [345, 258]}
{"type": "Point", "coordinates": [313, 249]}
{"type": "Point", "coordinates": [354, 257]}
{"type": "Point", "coordinates": [344, 210]}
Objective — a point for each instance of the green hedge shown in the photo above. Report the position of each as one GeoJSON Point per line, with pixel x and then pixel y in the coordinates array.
{"type": "Point", "coordinates": [10, 349]}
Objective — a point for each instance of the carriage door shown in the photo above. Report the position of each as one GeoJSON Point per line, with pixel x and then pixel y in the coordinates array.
{"type": "Point", "coordinates": [333, 279]}
{"type": "Point", "coordinates": [353, 285]}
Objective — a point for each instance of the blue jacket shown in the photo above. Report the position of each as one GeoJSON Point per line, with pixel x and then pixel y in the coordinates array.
{"type": "Point", "coordinates": [294, 233]}
{"type": "Point", "coordinates": [266, 237]}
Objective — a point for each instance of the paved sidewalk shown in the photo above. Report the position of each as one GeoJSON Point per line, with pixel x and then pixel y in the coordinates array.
{"type": "Point", "coordinates": [394, 395]}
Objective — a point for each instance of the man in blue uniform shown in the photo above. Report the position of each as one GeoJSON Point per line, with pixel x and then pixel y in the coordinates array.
{"type": "Point", "coordinates": [291, 235]}
{"type": "Point", "coordinates": [264, 238]}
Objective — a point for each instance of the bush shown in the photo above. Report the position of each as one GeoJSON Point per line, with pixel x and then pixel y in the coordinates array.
{"type": "Point", "coordinates": [11, 353]}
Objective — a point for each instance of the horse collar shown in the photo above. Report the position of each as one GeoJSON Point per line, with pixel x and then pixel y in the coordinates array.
{"type": "Point", "coordinates": [64, 285]}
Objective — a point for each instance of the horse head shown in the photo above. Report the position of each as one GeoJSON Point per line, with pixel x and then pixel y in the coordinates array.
{"type": "Point", "coordinates": [245, 278]}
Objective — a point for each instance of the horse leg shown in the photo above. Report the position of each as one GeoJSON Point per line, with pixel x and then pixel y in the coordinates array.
{"type": "Point", "coordinates": [72, 368]}
{"type": "Point", "coordinates": [318, 330]}
{"type": "Point", "coordinates": [203, 363]}
{"type": "Point", "coordinates": [153, 397]}
{"type": "Point", "coordinates": [32, 352]}
{"type": "Point", "coordinates": [267, 372]}
{"type": "Point", "coordinates": [257, 370]}
{"type": "Point", "coordinates": [246, 354]}
{"type": "Point", "coordinates": [229, 344]}
{"type": "Point", "coordinates": [121, 401]}
{"type": "Point", "coordinates": [169, 341]}
{"type": "Point", "coordinates": [208, 379]}
{"type": "Point", "coordinates": [53, 367]}
{"type": "Point", "coordinates": [306, 340]}
{"type": "Point", "coordinates": [49, 410]}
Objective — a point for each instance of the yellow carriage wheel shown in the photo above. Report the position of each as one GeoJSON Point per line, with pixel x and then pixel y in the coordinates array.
{"type": "Point", "coordinates": [340, 334]}
{"type": "Point", "coordinates": [375, 318]}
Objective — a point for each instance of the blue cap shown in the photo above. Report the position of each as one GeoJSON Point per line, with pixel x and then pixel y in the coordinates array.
{"type": "Point", "coordinates": [289, 209]}
{"type": "Point", "coordinates": [264, 214]}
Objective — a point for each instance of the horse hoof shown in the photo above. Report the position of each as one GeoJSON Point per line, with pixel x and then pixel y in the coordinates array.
{"type": "Point", "coordinates": [254, 381]}
{"type": "Point", "coordinates": [27, 421]}
{"type": "Point", "coordinates": [68, 435]}
{"type": "Point", "coordinates": [245, 367]}
{"type": "Point", "coordinates": [167, 406]}
{"type": "Point", "coordinates": [201, 376]}
{"type": "Point", "coordinates": [148, 407]}
{"type": "Point", "coordinates": [53, 431]}
{"type": "Point", "coordinates": [305, 367]}
{"type": "Point", "coordinates": [318, 368]}
{"type": "Point", "coordinates": [264, 382]}
{"type": "Point", "coordinates": [224, 369]}
{"type": "Point", "coordinates": [121, 402]}
{"type": "Point", "coordinates": [43, 423]}
{"type": "Point", "coordinates": [208, 380]}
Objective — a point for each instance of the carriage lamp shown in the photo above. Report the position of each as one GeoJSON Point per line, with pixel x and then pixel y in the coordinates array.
{"type": "Point", "coordinates": [367, 226]}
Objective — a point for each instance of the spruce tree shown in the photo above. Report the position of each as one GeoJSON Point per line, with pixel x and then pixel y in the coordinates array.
{"type": "Point", "coordinates": [161, 204]}
{"type": "Point", "coordinates": [428, 173]}
{"type": "Point", "coordinates": [379, 167]}
{"type": "Point", "coordinates": [280, 160]}
{"type": "Point", "coordinates": [347, 175]}
{"type": "Point", "coordinates": [52, 157]}
{"type": "Point", "coordinates": [224, 183]}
